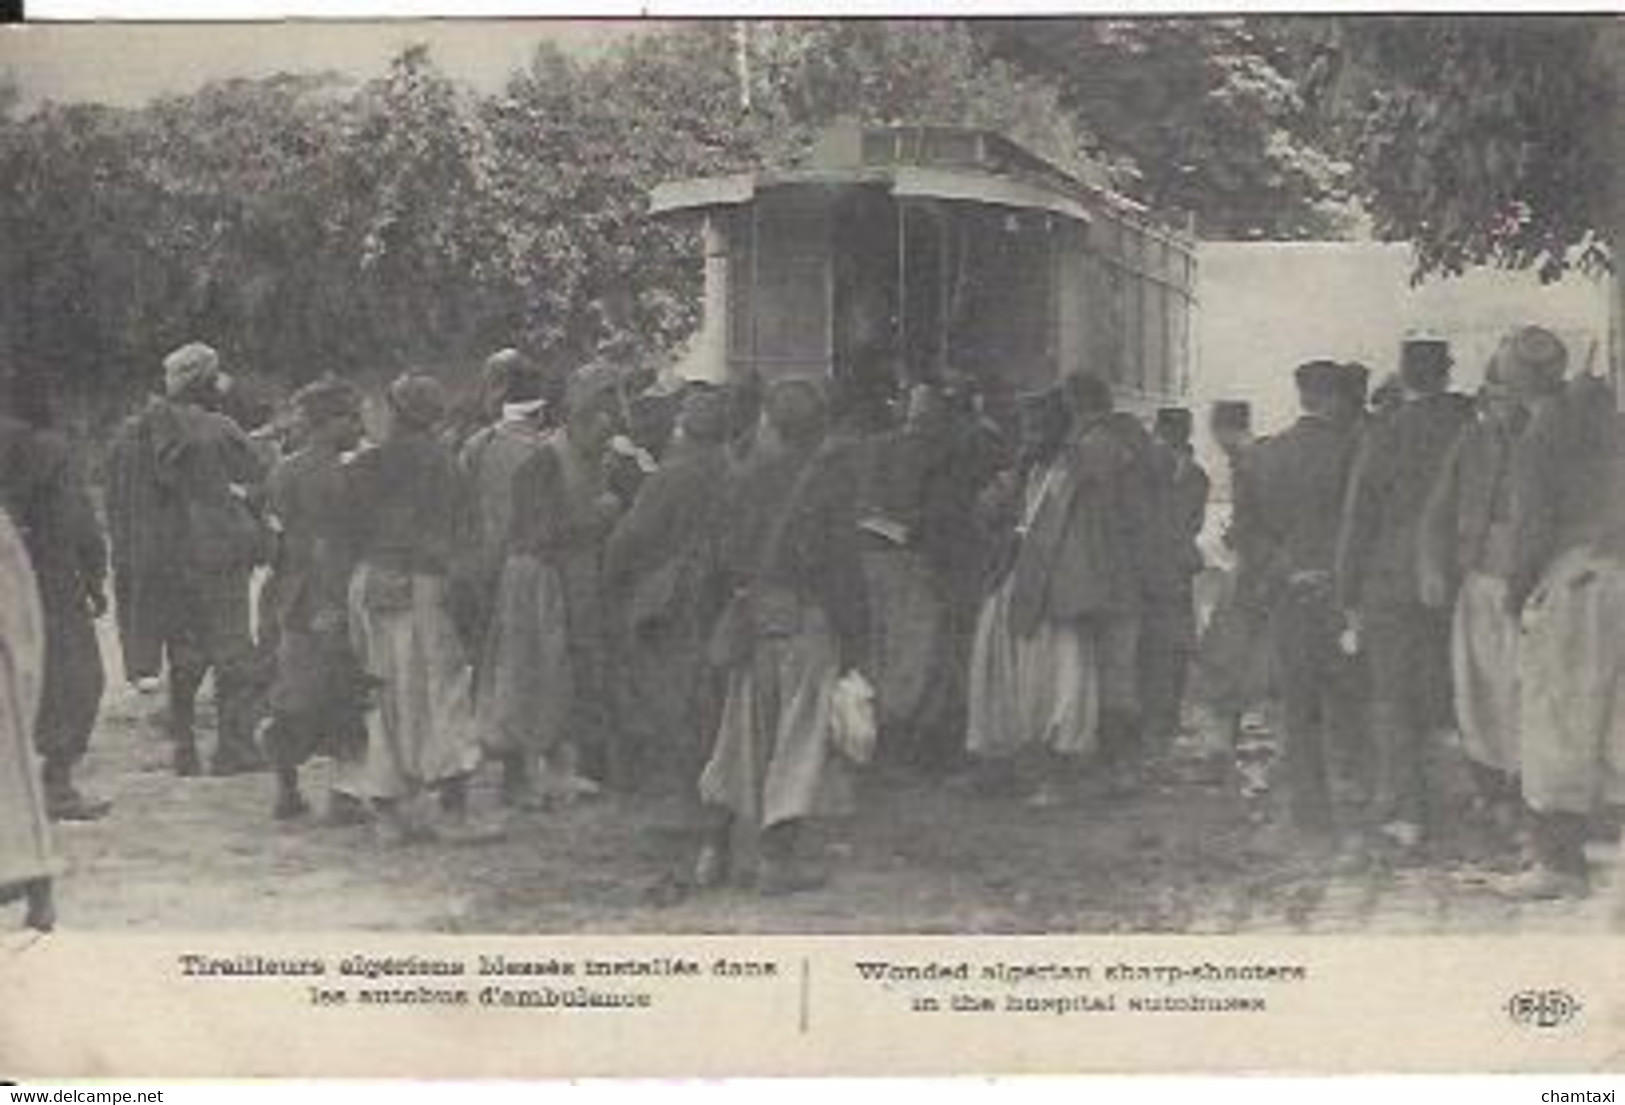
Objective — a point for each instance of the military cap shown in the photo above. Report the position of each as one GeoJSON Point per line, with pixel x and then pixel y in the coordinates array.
{"type": "Point", "coordinates": [1231, 414]}
{"type": "Point", "coordinates": [1318, 375]}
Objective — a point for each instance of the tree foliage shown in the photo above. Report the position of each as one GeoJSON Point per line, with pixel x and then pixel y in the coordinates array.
{"type": "Point", "coordinates": [1482, 139]}
{"type": "Point", "coordinates": [1203, 116]}
{"type": "Point", "coordinates": [306, 223]}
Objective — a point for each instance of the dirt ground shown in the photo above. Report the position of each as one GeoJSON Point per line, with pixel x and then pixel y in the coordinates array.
{"type": "Point", "coordinates": [919, 857]}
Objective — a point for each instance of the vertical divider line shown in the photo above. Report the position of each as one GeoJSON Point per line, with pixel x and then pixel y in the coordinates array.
{"type": "Point", "coordinates": [806, 994]}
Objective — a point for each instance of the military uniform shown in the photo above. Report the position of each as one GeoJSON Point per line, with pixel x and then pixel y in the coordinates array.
{"type": "Point", "coordinates": [1407, 645]}
{"type": "Point", "coordinates": [45, 496]}
{"type": "Point", "coordinates": [1293, 523]}
{"type": "Point", "coordinates": [1168, 629]}
{"type": "Point", "coordinates": [193, 545]}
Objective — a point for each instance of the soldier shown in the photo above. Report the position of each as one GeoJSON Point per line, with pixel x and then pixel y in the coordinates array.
{"type": "Point", "coordinates": [1233, 667]}
{"type": "Point", "coordinates": [42, 489]}
{"type": "Point", "coordinates": [1466, 550]}
{"type": "Point", "coordinates": [27, 861]}
{"type": "Point", "coordinates": [548, 652]}
{"type": "Point", "coordinates": [190, 544]}
{"type": "Point", "coordinates": [406, 518]}
{"type": "Point", "coordinates": [662, 579]}
{"type": "Point", "coordinates": [1354, 380]}
{"type": "Point", "coordinates": [1406, 644]}
{"type": "Point", "coordinates": [316, 698]}
{"type": "Point", "coordinates": [1168, 635]}
{"type": "Point", "coordinates": [1301, 476]}
{"type": "Point", "coordinates": [491, 458]}
{"type": "Point", "coordinates": [1099, 575]}
{"type": "Point", "coordinates": [1567, 583]}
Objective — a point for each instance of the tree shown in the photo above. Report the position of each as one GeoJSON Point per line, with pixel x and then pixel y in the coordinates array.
{"type": "Point", "coordinates": [1483, 139]}
{"type": "Point", "coordinates": [1194, 115]}
{"type": "Point", "coordinates": [1489, 140]}
{"type": "Point", "coordinates": [811, 73]}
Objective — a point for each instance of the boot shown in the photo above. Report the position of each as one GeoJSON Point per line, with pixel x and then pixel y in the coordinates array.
{"type": "Point", "coordinates": [184, 682]}
{"type": "Point", "coordinates": [290, 803]}
{"type": "Point", "coordinates": [1120, 746]}
{"type": "Point", "coordinates": [782, 871]}
{"type": "Point", "coordinates": [187, 763]}
{"type": "Point", "coordinates": [1542, 883]}
{"type": "Point", "coordinates": [41, 915]}
{"type": "Point", "coordinates": [712, 865]}
{"type": "Point", "coordinates": [63, 801]}
{"type": "Point", "coordinates": [456, 827]}
{"type": "Point", "coordinates": [1560, 869]}
{"type": "Point", "coordinates": [391, 825]}
{"type": "Point", "coordinates": [518, 786]}
{"type": "Point", "coordinates": [236, 702]}
{"type": "Point", "coordinates": [344, 810]}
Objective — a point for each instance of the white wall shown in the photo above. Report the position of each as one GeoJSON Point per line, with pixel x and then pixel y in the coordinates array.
{"type": "Point", "coordinates": [1264, 307]}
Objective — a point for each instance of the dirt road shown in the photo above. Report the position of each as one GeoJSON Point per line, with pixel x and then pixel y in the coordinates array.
{"type": "Point", "coordinates": [202, 854]}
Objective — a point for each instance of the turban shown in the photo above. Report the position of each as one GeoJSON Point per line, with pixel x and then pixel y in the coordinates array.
{"type": "Point", "coordinates": [418, 399]}
{"type": "Point", "coordinates": [327, 399]}
{"type": "Point", "coordinates": [191, 364]}
{"type": "Point", "coordinates": [1532, 360]}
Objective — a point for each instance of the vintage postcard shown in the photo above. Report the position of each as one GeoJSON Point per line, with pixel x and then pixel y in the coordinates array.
{"type": "Point", "coordinates": [812, 546]}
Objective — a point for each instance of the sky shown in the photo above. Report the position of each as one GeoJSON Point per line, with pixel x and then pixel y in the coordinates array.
{"type": "Point", "coordinates": [130, 64]}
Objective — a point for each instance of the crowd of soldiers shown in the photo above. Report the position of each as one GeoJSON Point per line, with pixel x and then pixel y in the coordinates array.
{"type": "Point", "coordinates": [598, 580]}
{"type": "Point", "coordinates": [1440, 568]}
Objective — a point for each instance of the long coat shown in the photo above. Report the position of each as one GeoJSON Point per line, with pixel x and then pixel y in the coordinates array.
{"type": "Point", "coordinates": [167, 462]}
{"type": "Point", "coordinates": [25, 838]}
{"type": "Point", "coordinates": [1085, 551]}
{"type": "Point", "coordinates": [663, 580]}
{"type": "Point", "coordinates": [40, 486]}
{"type": "Point", "coordinates": [1398, 462]}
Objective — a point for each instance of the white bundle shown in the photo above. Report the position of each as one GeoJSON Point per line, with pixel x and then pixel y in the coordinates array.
{"type": "Point", "coordinates": [853, 730]}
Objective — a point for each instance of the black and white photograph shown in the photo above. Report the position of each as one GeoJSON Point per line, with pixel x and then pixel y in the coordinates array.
{"type": "Point", "coordinates": [1096, 476]}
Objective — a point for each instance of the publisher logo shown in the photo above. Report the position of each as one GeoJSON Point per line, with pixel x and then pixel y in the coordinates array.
{"type": "Point", "coordinates": [1544, 1009]}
